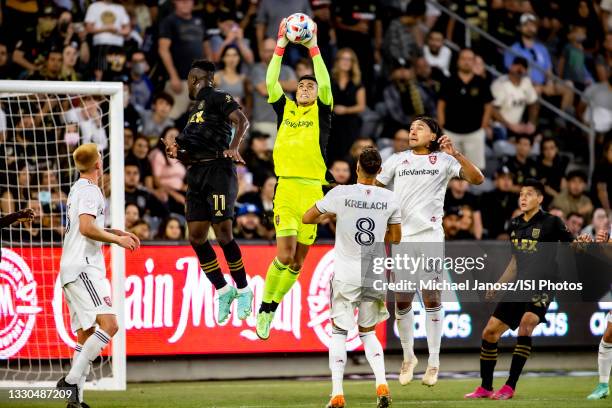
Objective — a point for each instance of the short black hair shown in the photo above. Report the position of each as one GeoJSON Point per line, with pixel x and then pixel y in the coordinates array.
{"type": "Point", "coordinates": [370, 161]}
{"type": "Point", "coordinates": [524, 136]}
{"type": "Point", "coordinates": [574, 214]}
{"type": "Point", "coordinates": [435, 128]}
{"type": "Point", "coordinates": [307, 77]}
{"type": "Point", "coordinates": [165, 96]}
{"type": "Point", "coordinates": [520, 61]}
{"type": "Point", "coordinates": [547, 139]}
{"type": "Point", "coordinates": [204, 65]}
{"type": "Point", "coordinates": [576, 173]}
{"type": "Point", "coordinates": [537, 185]}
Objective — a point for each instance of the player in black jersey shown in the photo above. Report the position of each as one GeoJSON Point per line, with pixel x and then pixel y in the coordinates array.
{"type": "Point", "coordinates": [529, 259]}
{"type": "Point", "coordinates": [206, 146]}
{"type": "Point", "coordinates": [19, 216]}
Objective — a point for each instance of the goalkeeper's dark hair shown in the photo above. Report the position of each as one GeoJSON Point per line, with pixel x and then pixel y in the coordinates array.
{"type": "Point", "coordinates": [370, 161]}
{"type": "Point", "coordinates": [537, 185]}
{"type": "Point", "coordinates": [435, 128]}
{"type": "Point", "coordinates": [204, 65]}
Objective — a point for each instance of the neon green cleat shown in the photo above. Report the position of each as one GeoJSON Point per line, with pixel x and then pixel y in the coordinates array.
{"type": "Point", "coordinates": [245, 302]}
{"type": "Point", "coordinates": [225, 303]}
{"type": "Point", "coordinates": [600, 392]}
{"type": "Point", "coordinates": [264, 322]}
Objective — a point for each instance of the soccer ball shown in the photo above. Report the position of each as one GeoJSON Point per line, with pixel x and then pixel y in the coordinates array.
{"type": "Point", "coordinates": [300, 28]}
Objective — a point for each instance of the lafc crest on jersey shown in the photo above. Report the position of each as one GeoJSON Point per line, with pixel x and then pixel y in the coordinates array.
{"type": "Point", "coordinates": [198, 116]}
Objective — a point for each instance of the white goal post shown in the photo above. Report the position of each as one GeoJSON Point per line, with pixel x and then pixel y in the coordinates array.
{"type": "Point", "coordinates": [112, 92]}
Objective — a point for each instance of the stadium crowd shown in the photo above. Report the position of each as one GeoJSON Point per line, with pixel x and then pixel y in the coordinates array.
{"type": "Point", "coordinates": [389, 62]}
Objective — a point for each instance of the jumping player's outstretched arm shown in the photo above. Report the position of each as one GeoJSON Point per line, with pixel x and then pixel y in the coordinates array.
{"type": "Point", "coordinates": [320, 70]}
{"type": "Point", "coordinates": [21, 216]}
{"type": "Point", "coordinates": [275, 90]}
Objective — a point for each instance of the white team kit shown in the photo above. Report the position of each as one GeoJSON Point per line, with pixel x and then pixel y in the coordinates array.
{"type": "Point", "coordinates": [82, 267]}
{"type": "Point", "coordinates": [419, 183]}
{"type": "Point", "coordinates": [362, 215]}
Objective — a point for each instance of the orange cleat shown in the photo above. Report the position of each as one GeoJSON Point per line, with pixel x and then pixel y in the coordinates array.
{"type": "Point", "coordinates": [336, 402]}
{"type": "Point", "coordinates": [383, 396]}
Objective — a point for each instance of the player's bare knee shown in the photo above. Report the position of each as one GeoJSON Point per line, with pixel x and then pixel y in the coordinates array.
{"type": "Point", "coordinates": [109, 324]}
{"type": "Point", "coordinates": [526, 329]}
{"type": "Point", "coordinates": [403, 305]}
{"type": "Point", "coordinates": [223, 232]}
{"type": "Point", "coordinates": [431, 298]}
{"type": "Point", "coordinates": [295, 265]}
{"type": "Point", "coordinates": [491, 334]}
{"type": "Point", "coordinates": [285, 258]}
{"type": "Point", "coordinates": [196, 240]}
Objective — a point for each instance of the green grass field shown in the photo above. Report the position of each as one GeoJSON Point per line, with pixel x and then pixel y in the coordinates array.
{"type": "Point", "coordinates": [544, 392]}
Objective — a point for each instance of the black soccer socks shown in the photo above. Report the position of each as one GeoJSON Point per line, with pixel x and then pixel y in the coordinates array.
{"type": "Point", "coordinates": [233, 257]}
{"type": "Point", "coordinates": [488, 359]}
{"type": "Point", "coordinates": [210, 264]}
{"type": "Point", "coordinates": [521, 353]}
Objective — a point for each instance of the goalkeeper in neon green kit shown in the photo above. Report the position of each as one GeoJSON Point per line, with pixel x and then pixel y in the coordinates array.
{"type": "Point", "coordinates": [299, 164]}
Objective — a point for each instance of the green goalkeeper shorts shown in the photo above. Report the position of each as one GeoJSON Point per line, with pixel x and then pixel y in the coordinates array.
{"type": "Point", "coordinates": [292, 198]}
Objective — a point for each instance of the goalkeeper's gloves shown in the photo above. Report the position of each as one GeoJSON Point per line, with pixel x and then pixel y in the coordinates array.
{"type": "Point", "coordinates": [281, 38]}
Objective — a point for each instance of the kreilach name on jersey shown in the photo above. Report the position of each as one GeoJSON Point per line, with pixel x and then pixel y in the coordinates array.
{"type": "Point", "coordinates": [377, 205]}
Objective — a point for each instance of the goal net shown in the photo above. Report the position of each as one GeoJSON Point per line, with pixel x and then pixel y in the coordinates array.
{"type": "Point", "coordinates": [41, 124]}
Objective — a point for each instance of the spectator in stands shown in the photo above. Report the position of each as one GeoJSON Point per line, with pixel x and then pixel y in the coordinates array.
{"type": "Point", "coordinates": [258, 157]}
{"type": "Point", "coordinates": [403, 38]}
{"type": "Point", "coordinates": [19, 19]}
{"type": "Point", "coordinates": [231, 35]}
{"type": "Point", "coordinates": [157, 119]}
{"type": "Point", "coordinates": [498, 205]}
{"type": "Point", "coordinates": [141, 87]}
{"type": "Point", "coordinates": [475, 12]}
{"type": "Point", "coordinates": [341, 171]}
{"type": "Point", "coordinates": [181, 40]}
{"type": "Point", "coordinates": [88, 115]}
{"type": "Point", "coordinates": [437, 54]}
{"type": "Point", "coordinates": [269, 15]}
{"type": "Point", "coordinates": [304, 67]}
{"type": "Point", "coordinates": [602, 178]}
{"type": "Point", "coordinates": [168, 175]}
{"type": "Point", "coordinates": [504, 20]}
{"type": "Point", "coordinates": [141, 229]}
{"type": "Point", "coordinates": [49, 193]}
{"type": "Point", "coordinates": [248, 222]}
{"type": "Point", "coordinates": [70, 58]}
{"type": "Point", "coordinates": [264, 200]}
{"type": "Point", "coordinates": [349, 103]}
{"type": "Point", "coordinates": [574, 223]}
{"type": "Point", "coordinates": [603, 61]}
{"type": "Point", "coordinates": [522, 165]}
{"type": "Point", "coordinates": [360, 144]}
{"type": "Point", "coordinates": [109, 24]}
{"type": "Point", "coordinates": [513, 93]}
{"type": "Point", "coordinates": [424, 77]}
{"type": "Point", "coordinates": [138, 155]}
{"type": "Point", "coordinates": [264, 118]}
{"type": "Point", "coordinates": [136, 194]}
{"type": "Point", "coordinates": [245, 180]}
{"type": "Point", "coordinates": [69, 33]}
{"type": "Point", "coordinates": [51, 68]}
{"type": "Point", "coordinates": [597, 106]}
{"type": "Point", "coordinates": [171, 229]}
{"type": "Point", "coordinates": [35, 230]}
{"type": "Point", "coordinates": [464, 109]}
{"type": "Point", "coordinates": [551, 169]}
{"type": "Point", "coordinates": [132, 214]}
{"type": "Point", "coordinates": [572, 63]}
{"type": "Point", "coordinates": [401, 142]}
{"type": "Point", "coordinates": [587, 17]}
{"type": "Point", "coordinates": [556, 212]}
{"type": "Point", "coordinates": [452, 223]}
{"type": "Point", "coordinates": [403, 100]}
{"type": "Point", "coordinates": [131, 117]}
{"type": "Point", "coordinates": [541, 64]}
{"type": "Point", "coordinates": [17, 192]}
{"type": "Point", "coordinates": [231, 79]}
{"type": "Point", "coordinates": [326, 33]}
{"type": "Point", "coordinates": [355, 23]}
{"type": "Point", "coordinates": [30, 48]}
{"type": "Point", "coordinates": [5, 61]}
{"type": "Point", "coordinates": [606, 15]}
{"type": "Point", "coordinates": [600, 222]}
{"type": "Point", "coordinates": [573, 199]}
{"type": "Point", "coordinates": [457, 195]}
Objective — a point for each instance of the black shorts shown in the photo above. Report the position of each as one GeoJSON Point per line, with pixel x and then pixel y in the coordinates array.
{"type": "Point", "coordinates": [511, 313]}
{"type": "Point", "coordinates": [211, 191]}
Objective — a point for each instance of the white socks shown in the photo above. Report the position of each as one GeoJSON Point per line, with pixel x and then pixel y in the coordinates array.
{"type": "Point", "coordinates": [434, 325]}
{"type": "Point", "coordinates": [77, 350]}
{"type": "Point", "coordinates": [604, 361]}
{"type": "Point", "coordinates": [405, 327]}
{"type": "Point", "coordinates": [337, 359]}
{"type": "Point", "coordinates": [374, 354]}
{"type": "Point", "coordinates": [89, 352]}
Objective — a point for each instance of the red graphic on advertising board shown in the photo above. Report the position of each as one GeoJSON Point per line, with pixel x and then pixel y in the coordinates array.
{"type": "Point", "coordinates": [170, 306]}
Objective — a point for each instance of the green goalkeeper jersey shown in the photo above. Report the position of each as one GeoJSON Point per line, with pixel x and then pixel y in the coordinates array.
{"type": "Point", "coordinates": [303, 131]}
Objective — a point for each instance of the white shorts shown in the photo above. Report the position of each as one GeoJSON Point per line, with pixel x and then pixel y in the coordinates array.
{"type": "Point", "coordinates": [87, 297]}
{"type": "Point", "coordinates": [423, 246]}
{"type": "Point", "coordinates": [345, 298]}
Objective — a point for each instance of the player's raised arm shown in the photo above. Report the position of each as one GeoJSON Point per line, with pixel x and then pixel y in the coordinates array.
{"type": "Point", "coordinates": [275, 90]}
{"type": "Point", "coordinates": [320, 70]}
{"type": "Point", "coordinates": [242, 124]}
{"type": "Point", "coordinates": [469, 171]}
{"type": "Point", "coordinates": [19, 216]}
